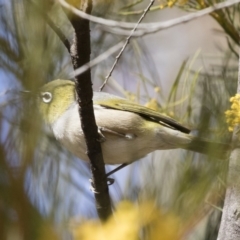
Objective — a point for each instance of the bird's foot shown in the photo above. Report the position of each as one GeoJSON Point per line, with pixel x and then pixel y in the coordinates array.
{"type": "Point", "coordinates": [110, 181]}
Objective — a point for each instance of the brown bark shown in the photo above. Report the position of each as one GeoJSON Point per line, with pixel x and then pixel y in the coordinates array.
{"type": "Point", "coordinates": [80, 54]}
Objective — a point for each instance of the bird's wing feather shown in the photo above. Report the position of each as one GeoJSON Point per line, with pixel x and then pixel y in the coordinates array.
{"type": "Point", "coordinates": [125, 105]}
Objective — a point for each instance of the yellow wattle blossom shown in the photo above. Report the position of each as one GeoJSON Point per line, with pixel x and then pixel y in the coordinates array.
{"type": "Point", "coordinates": [233, 115]}
{"type": "Point", "coordinates": [131, 222]}
{"type": "Point", "coordinates": [131, 96]}
{"type": "Point", "coordinates": [153, 104]}
{"type": "Point", "coordinates": [170, 3]}
{"type": "Point", "coordinates": [162, 6]}
{"type": "Point", "coordinates": [157, 89]}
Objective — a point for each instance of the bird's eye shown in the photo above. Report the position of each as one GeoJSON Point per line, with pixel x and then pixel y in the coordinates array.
{"type": "Point", "coordinates": [46, 97]}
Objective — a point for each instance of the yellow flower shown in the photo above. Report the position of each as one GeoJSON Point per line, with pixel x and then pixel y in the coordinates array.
{"type": "Point", "coordinates": [131, 221]}
{"type": "Point", "coordinates": [233, 115]}
{"type": "Point", "coordinates": [171, 3]}
{"type": "Point", "coordinates": [157, 89]}
{"type": "Point", "coordinates": [161, 6]}
{"type": "Point", "coordinates": [153, 104]}
{"type": "Point", "coordinates": [131, 96]}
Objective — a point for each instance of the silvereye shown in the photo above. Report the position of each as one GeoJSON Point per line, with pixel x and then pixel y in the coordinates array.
{"type": "Point", "coordinates": [130, 131]}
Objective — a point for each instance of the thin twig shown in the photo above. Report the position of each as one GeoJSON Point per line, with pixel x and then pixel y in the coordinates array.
{"type": "Point", "coordinates": [232, 49]}
{"type": "Point", "coordinates": [156, 27]}
{"type": "Point", "coordinates": [149, 27]}
{"type": "Point", "coordinates": [97, 60]}
{"type": "Point", "coordinates": [214, 206]}
{"type": "Point", "coordinates": [126, 43]}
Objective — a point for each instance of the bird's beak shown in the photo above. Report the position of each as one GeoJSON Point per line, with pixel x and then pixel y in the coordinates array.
{"type": "Point", "coordinates": [27, 95]}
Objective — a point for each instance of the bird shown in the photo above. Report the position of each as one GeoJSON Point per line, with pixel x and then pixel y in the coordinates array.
{"type": "Point", "coordinates": [129, 130]}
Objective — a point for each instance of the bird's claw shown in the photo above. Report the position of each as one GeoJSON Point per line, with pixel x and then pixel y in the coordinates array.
{"type": "Point", "coordinates": [110, 181]}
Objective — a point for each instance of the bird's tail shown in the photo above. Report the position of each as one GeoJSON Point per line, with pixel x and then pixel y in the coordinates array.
{"type": "Point", "coordinates": [213, 149]}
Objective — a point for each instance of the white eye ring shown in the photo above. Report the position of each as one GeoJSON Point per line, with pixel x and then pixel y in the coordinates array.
{"type": "Point", "coordinates": [46, 97]}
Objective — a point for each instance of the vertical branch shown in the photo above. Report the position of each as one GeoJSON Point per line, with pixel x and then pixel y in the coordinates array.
{"type": "Point", "coordinates": [80, 54]}
{"type": "Point", "coordinates": [230, 222]}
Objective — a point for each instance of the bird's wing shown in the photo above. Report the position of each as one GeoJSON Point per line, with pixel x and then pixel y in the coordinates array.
{"type": "Point", "coordinates": [125, 105]}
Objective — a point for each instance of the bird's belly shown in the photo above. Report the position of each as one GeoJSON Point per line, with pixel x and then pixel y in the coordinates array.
{"type": "Point", "coordinates": [116, 149]}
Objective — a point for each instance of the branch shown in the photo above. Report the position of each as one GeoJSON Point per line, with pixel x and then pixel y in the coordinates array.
{"type": "Point", "coordinates": [126, 43]}
{"type": "Point", "coordinates": [80, 54]}
{"type": "Point", "coordinates": [96, 61]}
{"type": "Point", "coordinates": [156, 27]}
{"type": "Point", "coordinates": [230, 223]}
{"type": "Point", "coordinates": [148, 28]}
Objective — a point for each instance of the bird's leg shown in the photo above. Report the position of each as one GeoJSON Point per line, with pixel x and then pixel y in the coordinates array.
{"type": "Point", "coordinates": [102, 138]}
{"type": "Point", "coordinates": [117, 169]}
{"type": "Point", "coordinates": [110, 181]}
